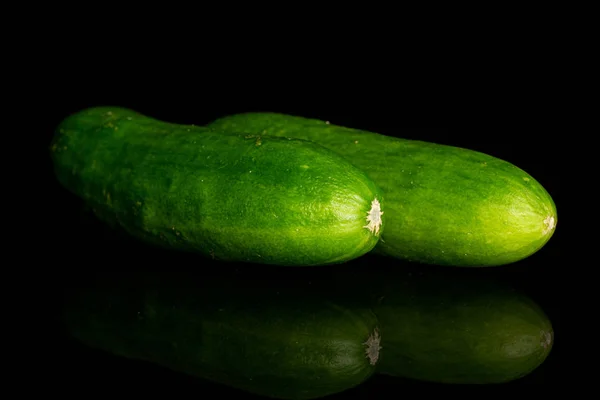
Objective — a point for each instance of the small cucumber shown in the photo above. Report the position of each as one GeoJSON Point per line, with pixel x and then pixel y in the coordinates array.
{"type": "Point", "coordinates": [235, 198]}
{"type": "Point", "coordinates": [444, 205]}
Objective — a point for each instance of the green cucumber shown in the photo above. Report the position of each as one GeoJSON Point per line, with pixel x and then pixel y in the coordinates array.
{"type": "Point", "coordinates": [235, 198]}
{"type": "Point", "coordinates": [290, 341]}
{"type": "Point", "coordinates": [444, 205]}
{"type": "Point", "coordinates": [454, 328]}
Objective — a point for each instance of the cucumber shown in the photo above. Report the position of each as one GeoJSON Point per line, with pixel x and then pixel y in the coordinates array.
{"type": "Point", "coordinates": [452, 328]}
{"type": "Point", "coordinates": [265, 336]}
{"type": "Point", "coordinates": [234, 198]}
{"type": "Point", "coordinates": [444, 205]}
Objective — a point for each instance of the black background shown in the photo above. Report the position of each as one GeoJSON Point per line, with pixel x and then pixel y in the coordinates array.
{"type": "Point", "coordinates": [503, 128]}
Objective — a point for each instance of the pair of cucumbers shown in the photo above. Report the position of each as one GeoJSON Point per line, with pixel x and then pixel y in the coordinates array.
{"type": "Point", "coordinates": [288, 191]}
{"type": "Point", "coordinates": [276, 189]}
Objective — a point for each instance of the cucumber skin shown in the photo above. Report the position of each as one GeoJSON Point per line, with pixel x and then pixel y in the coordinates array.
{"type": "Point", "coordinates": [446, 327]}
{"type": "Point", "coordinates": [263, 337]}
{"type": "Point", "coordinates": [444, 205]}
{"type": "Point", "coordinates": [230, 197]}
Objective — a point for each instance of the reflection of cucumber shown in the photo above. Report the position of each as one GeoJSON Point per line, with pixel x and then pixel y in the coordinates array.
{"type": "Point", "coordinates": [455, 328]}
{"type": "Point", "coordinates": [270, 339]}
{"type": "Point", "coordinates": [265, 200]}
{"type": "Point", "coordinates": [444, 205]}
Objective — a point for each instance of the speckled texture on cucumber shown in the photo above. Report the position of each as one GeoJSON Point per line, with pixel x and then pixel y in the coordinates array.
{"type": "Point", "coordinates": [444, 205]}
{"type": "Point", "coordinates": [231, 197]}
